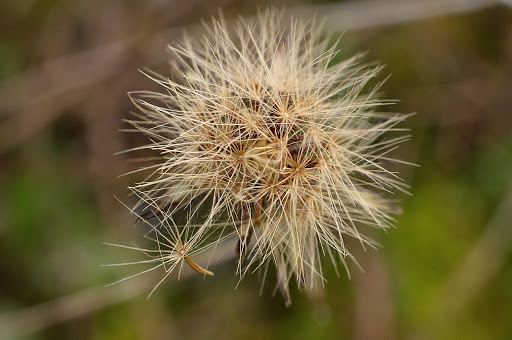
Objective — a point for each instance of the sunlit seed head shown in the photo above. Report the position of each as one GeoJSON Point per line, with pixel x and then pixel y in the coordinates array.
{"type": "Point", "coordinates": [275, 141]}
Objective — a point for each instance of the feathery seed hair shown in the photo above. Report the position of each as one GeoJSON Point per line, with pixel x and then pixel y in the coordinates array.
{"type": "Point", "coordinates": [266, 144]}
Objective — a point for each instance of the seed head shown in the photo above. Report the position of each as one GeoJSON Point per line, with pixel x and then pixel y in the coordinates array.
{"type": "Point", "coordinates": [265, 142]}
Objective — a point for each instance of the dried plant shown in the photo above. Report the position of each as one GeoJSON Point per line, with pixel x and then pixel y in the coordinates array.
{"type": "Point", "coordinates": [266, 142]}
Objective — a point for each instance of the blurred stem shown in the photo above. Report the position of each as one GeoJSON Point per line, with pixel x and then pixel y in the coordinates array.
{"type": "Point", "coordinates": [355, 15]}
{"type": "Point", "coordinates": [480, 266]}
{"type": "Point", "coordinates": [57, 79]}
{"type": "Point", "coordinates": [69, 307]}
{"type": "Point", "coordinates": [35, 318]}
{"type": "Point", "coordinates": [373, 312]}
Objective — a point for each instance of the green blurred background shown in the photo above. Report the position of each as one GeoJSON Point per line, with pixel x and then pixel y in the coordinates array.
{"type": "Point", "coordinates": [445, 272]}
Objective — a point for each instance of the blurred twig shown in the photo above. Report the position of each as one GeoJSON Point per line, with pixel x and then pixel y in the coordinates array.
{"type": "Point", "coordinates": [355, 15]}
{"type": "Point", "coordinates": [482, 263]}
{"type": "Point", "coordinates": [76, 305]}
{"type": "Point", "coordinates": [38, 317]}
{"type": "Point", "coordinates": [66, 76]}
{"type": "Point", "coordinates": [57, 81]}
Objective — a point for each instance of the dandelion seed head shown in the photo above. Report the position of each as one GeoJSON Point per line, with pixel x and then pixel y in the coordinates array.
{"type": "Point", "coordinates": [278, 143]}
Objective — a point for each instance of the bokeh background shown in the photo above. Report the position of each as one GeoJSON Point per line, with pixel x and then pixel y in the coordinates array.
{"type": "Point", "coordinates": [445, 272]}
